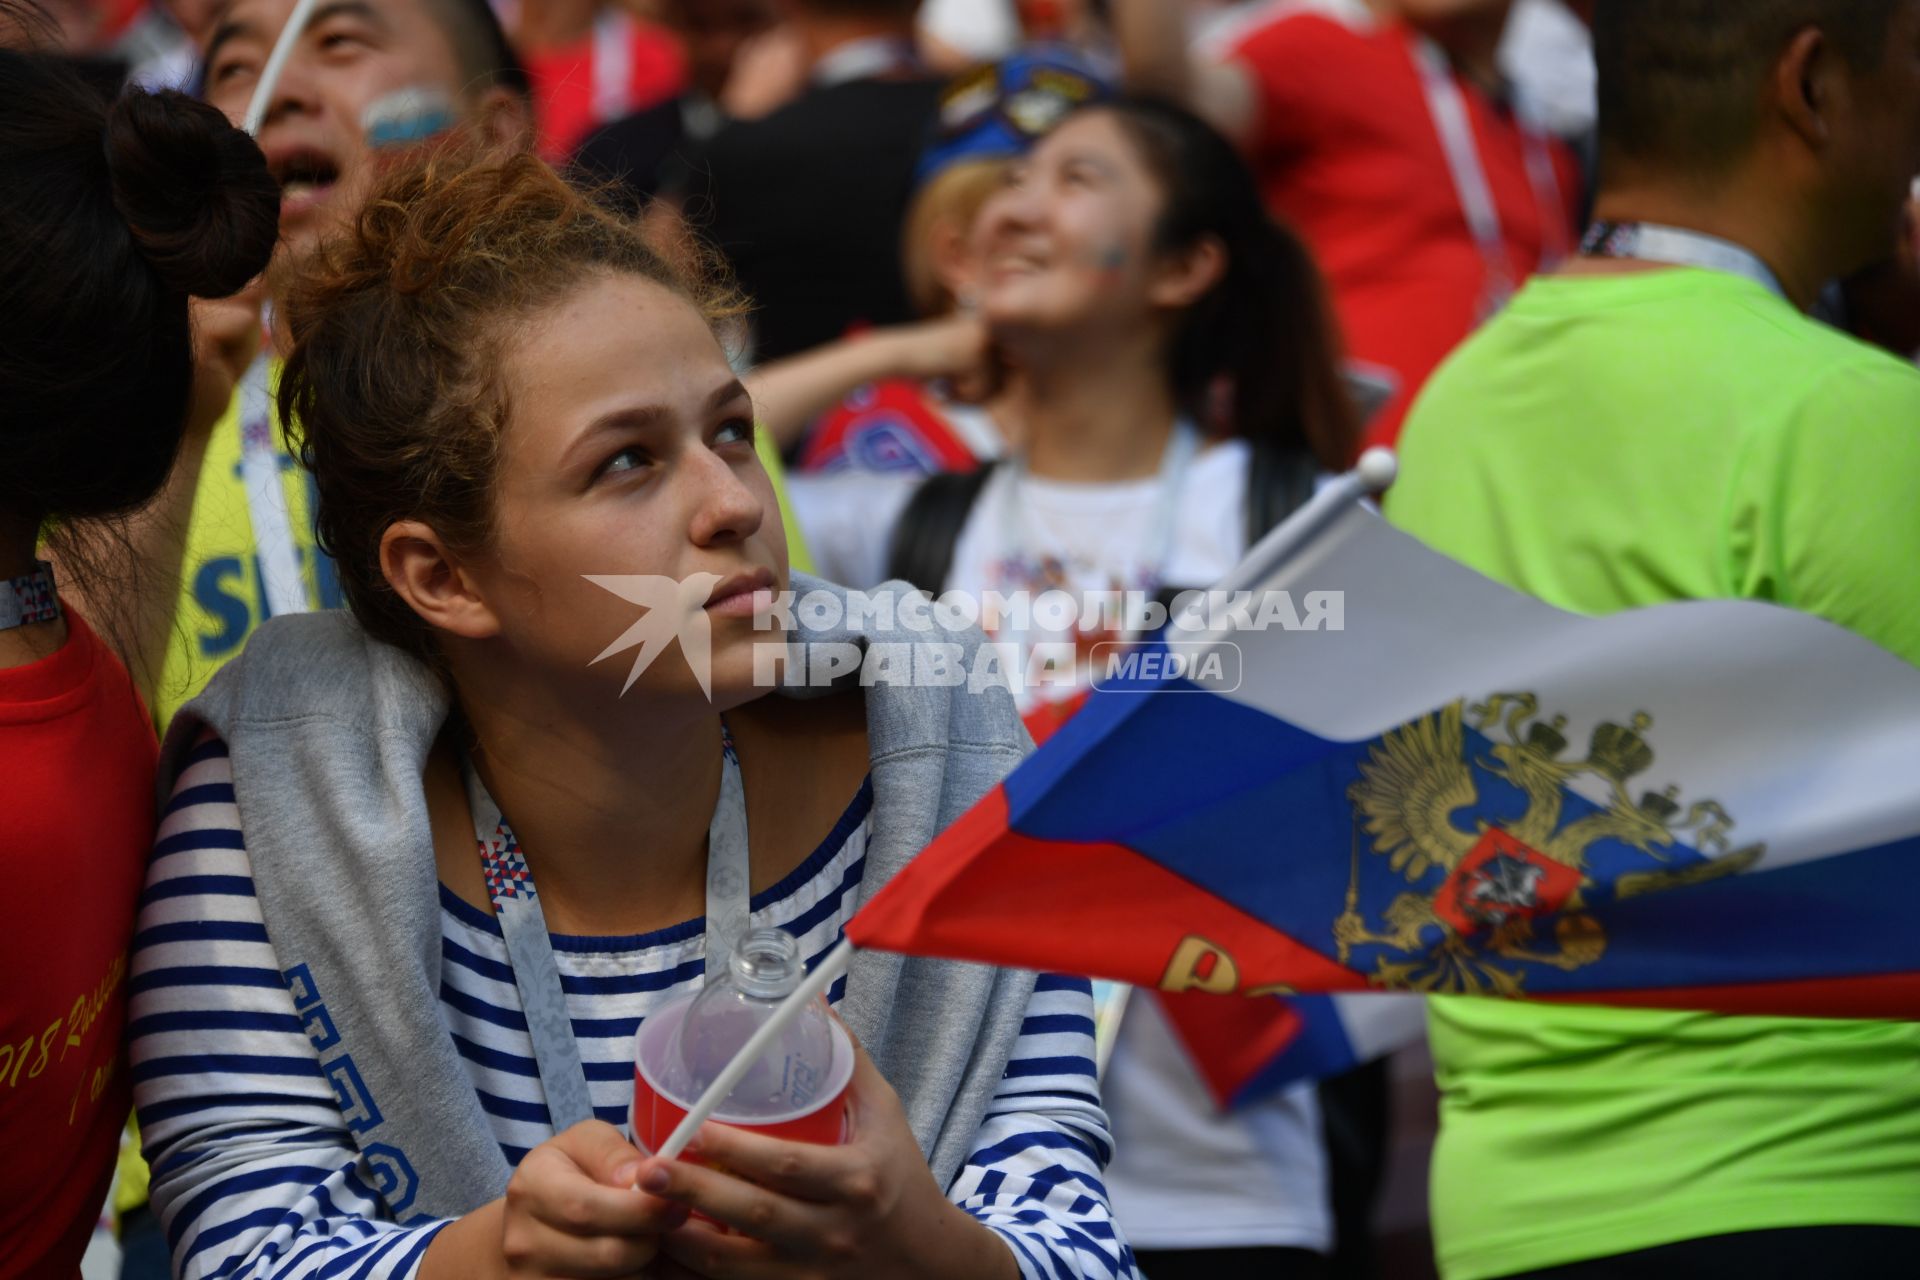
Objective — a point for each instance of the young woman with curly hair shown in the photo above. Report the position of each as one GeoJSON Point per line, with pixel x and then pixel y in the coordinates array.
{"type": "Point", "coordinates": [503, 389]}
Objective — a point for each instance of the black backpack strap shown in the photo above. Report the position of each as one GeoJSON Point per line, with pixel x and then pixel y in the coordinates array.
{"type": "Point", "coordinates": [928, 530]}
{"type": "Point", "coordinates": [1279, 483]}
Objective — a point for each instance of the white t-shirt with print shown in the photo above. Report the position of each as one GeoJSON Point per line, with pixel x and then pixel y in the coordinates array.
{"type": "Point", "coordinates": [1026, 534]}
{"type": "Point", "coordinates": [1027, 537]}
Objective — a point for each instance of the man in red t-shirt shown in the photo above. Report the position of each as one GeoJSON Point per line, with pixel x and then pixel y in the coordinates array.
{"type": "Point", "coordinates": [1382, 130]}
{"type": "Point", "coordinates": [590, 63]}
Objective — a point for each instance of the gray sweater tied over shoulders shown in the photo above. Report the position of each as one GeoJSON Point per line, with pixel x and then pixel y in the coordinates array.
{"type": "Point", "coordinates": [328, 732]}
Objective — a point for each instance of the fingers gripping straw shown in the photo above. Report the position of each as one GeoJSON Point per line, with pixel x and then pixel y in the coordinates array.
{"type": "Point", "coordinates": [782, 1064]}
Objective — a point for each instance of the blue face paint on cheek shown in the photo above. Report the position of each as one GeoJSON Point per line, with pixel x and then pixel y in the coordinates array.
{"type": "Point", "coordinates": [1111, 263]}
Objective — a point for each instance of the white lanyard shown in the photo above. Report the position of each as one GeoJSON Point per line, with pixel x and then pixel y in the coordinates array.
{"type": "Point", "coordinates": [523, 927]}
{"type": "Point", "coordinates": [283, 587]}
{"type": "Point", "coordinates": [867, 59]}
{"type": "Point", "coordinates": [612, 65]}
{"type": "Point", "coordinates": [1454, 123]}
{"type": "Point", "coordinates": [1017, 536]}
{"type": "Point", "coordinates": [1678, 247]}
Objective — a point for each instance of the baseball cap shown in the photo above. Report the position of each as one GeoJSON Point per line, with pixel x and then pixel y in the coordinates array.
{"type": "Point", "coordinates": [1002, 108]}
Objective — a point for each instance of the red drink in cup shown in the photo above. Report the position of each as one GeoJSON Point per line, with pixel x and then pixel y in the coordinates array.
{"type": "Point", "coordinates": [796, 1091]}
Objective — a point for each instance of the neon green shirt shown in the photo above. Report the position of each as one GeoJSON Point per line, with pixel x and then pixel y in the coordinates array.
{"type": "Point", "coordinates": [221, 599]}
{"type": "Point", "coordinates": [1612, 442]}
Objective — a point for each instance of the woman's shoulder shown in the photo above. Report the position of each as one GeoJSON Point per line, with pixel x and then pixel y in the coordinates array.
{"type": "Point", "coordinates": [301, 672]}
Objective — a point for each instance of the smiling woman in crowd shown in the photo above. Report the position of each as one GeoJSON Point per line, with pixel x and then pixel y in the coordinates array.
{"type": "Point", "coordinates": [502, 389]}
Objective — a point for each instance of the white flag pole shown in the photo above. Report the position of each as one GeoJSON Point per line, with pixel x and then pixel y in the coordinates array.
{"type": "Point", "coordinates": [831, 966]}
{"type": "Point", "coordinates": [1374, 472]}
{"type": "Point", "coordinates": [276, 63]}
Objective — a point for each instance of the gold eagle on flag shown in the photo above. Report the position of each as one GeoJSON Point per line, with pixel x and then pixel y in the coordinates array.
{"type": "Point", "coordinates": [1504, 881]}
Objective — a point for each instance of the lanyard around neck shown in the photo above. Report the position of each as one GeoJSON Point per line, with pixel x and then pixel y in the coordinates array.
{"type": "Point", "coordinates": [523, 927]}
{"type": "Point", "coordinates": [1677, 247]}
{"type": "Point", "coordinates": [1453, 122]}
{"type": "Point", "coordinates": [1018, 538]}
{"type": "Point", "coordinates": [29, 598]}
{"type": "Point", "coordinates": [283, 589]}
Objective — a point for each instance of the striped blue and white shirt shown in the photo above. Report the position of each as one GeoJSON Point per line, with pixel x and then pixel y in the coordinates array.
{"type": "Point", "coordinates": [255, 1172]}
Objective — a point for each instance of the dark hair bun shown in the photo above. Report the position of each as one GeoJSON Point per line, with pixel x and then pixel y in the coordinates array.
{"type": "Point", "coordinates": [112, 213]}
{"type": "Point", "coordinates": [194, 190]}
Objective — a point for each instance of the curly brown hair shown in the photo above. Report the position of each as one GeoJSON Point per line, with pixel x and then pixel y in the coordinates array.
{"type": "Point", "coordinates": [399, 327]}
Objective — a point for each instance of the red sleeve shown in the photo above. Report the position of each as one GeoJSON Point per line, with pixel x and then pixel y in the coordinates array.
{"type": "Point", "coordinates": [1297, 62]}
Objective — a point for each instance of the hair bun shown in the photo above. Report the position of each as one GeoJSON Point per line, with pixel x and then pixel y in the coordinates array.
{"type": "Point", "coordinates": [194, 190]}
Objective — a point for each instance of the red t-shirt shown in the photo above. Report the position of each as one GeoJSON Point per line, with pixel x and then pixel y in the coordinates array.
{"type": "Point", "coordinates": [77, 761]}
{"type": "Point", "coordinates": [1349, 153]}
{"type": "Point", "coordinates": [623, 65]}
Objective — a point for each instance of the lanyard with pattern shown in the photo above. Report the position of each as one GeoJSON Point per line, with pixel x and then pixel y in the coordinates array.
{"type": "Point", "coordinates": [523, 926]}
{"type": "Point", "coordinates": [29, 598]}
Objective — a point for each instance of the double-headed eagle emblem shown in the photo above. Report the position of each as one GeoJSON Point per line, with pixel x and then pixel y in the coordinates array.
{"type": "Point", "coordinates": [1486, 902]}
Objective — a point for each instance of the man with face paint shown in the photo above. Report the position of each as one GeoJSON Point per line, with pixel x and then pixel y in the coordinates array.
{"type": "Point", "coordinates": [245, 502]}
{"type": "Point", "coordinates": [412, 68]}
{"type": "Point", "coordinates": [1384, 131]}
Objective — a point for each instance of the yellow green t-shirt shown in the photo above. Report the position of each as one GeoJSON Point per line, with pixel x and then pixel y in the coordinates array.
{"type": "Point", "coordinates": [221, 597]}
{"type": "Point", "coordinates": [1619, 441]}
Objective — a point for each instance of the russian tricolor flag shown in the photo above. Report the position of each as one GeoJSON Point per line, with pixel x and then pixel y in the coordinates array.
{"type": "Point", "coordinates": [1710, 805]}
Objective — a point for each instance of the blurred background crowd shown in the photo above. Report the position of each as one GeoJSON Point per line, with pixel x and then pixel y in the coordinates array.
{"type": "Point", "coordinates": [941, 319]}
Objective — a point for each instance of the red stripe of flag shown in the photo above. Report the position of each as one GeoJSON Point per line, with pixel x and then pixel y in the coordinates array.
{"type": "Point", "coordinates": [983, 892]}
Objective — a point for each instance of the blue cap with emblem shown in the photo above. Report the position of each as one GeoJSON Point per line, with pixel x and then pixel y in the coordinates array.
{"type": "Point", "coordinates": [1003, 108]}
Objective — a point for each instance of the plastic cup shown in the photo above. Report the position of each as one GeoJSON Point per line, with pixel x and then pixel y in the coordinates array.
{"type": "Point", "coordinates": [657, 1111]}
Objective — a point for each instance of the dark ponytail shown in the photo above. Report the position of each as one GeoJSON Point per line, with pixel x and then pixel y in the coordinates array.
{"type": "Point", "coordinates": [112, 213]}
{"type": "Point", "coordinates": [1264, 334]}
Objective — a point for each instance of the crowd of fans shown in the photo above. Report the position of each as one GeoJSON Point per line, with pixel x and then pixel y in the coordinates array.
{"type": "Point", "coordinates": [308, 440]}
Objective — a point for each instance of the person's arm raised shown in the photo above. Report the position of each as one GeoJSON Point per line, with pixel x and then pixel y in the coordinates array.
{"type": "Point", "coordinates": [790, 393]}
{"type": "Point", "coordinates": [1157, 57]}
